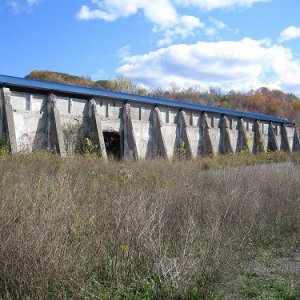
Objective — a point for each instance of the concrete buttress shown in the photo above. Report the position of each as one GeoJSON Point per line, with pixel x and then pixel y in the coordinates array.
{"type": "Point", "coordinates": [285, 145]}
{"type": "Point", "coordinates": [130, 148]}
{"type": "Point", "coordinates": [272, 142]}
{"type": "Point", "coordinates": [225, 146]}
{"type": "Point", "coordinates": [242, 142]}
{"type": "Point", "coordinates": [296, 142]}
{"type": "Point", "coordinates": [184, 135]}
{"type": "Point", "coordinates": [96, 124]}
{"type": "Point", "coordinates": [206, 147]}
{"type": "Point", "coordinates": [37, 115]}
{"type": "Point", "coordinates": [160, 142]}
{"type": "Point", "coordinates": [258, 144]}
{"type": "Point", "coordinates": [56, 139]}
{"type": "Point", "coordinates": [9, 124]}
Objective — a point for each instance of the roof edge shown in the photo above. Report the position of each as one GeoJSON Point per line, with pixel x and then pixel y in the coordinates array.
{"type": "Point", "coordinates": [89, 92]}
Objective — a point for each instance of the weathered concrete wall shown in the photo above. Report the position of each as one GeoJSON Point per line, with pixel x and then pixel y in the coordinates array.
{"type": "Point", "coordinates": [33, 122]}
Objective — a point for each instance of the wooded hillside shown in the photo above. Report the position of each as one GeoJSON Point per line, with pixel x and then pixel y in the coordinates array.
{"type": "Point", "coordinates": [262, 100]}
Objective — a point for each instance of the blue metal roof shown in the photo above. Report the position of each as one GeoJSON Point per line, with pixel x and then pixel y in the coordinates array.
{"type": "Point", "coordinates": [11, 81]}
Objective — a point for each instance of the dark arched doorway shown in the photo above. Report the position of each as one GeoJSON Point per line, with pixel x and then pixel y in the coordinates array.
{"type": "Point", "coordinates": [113, 144]}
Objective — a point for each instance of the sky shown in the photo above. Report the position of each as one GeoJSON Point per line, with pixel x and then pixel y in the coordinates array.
{"type": "Point", "coordinates": [225, 44]}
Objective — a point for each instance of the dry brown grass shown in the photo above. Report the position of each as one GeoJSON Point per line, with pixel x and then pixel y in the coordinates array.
{"type": "Point", "coordinates": [83, 229]}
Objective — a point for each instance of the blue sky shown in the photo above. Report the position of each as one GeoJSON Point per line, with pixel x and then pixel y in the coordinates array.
{"type": "Point", "coordinates": [226, 44]}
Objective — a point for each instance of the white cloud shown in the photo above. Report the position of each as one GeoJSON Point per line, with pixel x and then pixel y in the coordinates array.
{"type": "Point", "coordinates": [215, 27]}
{"type": "Point", "coordinates": [289, 33]}
{"type": "Point", "coordinates": [100, 74]}
{"type": "Point", "coordinates": [19, 6]}
{"type": "Point", "coordinates": [217, 23]}
{"type": "Point", "coordinates": [86, 13]}
{"type": "Point", "coordinates": [124, 51]}
{"type": "Point", "coordinates": [32, 2]}
{"type": "Point", "coordinates": [210, 31]}
{"type": "Point", "coordinates": [15, 6]}
{"type": "Point", "coordinates": [217, 4]}
{"type": "Point", "coordinates": [186, 26]}
{"type": "Point", "coordinates": [110, 10]}
{"type": "Point", "coordinates": [240, 65]}
{"type": "Point", "coordinates": [161, 13]}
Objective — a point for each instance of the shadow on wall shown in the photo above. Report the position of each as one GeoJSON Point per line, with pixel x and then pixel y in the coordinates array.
{"type": "Point", "coordinates": [37, 140]}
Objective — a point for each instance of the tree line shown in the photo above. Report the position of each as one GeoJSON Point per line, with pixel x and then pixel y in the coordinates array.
{"type": "Point", "coordinates": [262, 100]}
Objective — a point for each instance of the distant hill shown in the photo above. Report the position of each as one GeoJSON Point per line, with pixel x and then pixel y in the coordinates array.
{"type": "Point", "coordinates": [120, 84]}
{"type": "Point", "coordinates": [262, 100]}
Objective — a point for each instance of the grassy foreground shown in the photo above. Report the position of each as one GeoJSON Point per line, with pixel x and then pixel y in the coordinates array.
{"type": "Point", "coordinates": [223, 228]}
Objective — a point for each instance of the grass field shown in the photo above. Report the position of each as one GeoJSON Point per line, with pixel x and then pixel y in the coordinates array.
{"type": "Point", "coordinates": [216, 228]}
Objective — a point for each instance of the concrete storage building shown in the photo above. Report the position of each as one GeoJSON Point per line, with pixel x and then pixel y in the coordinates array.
{"type": "Point", "coordinates": [37, 115]}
